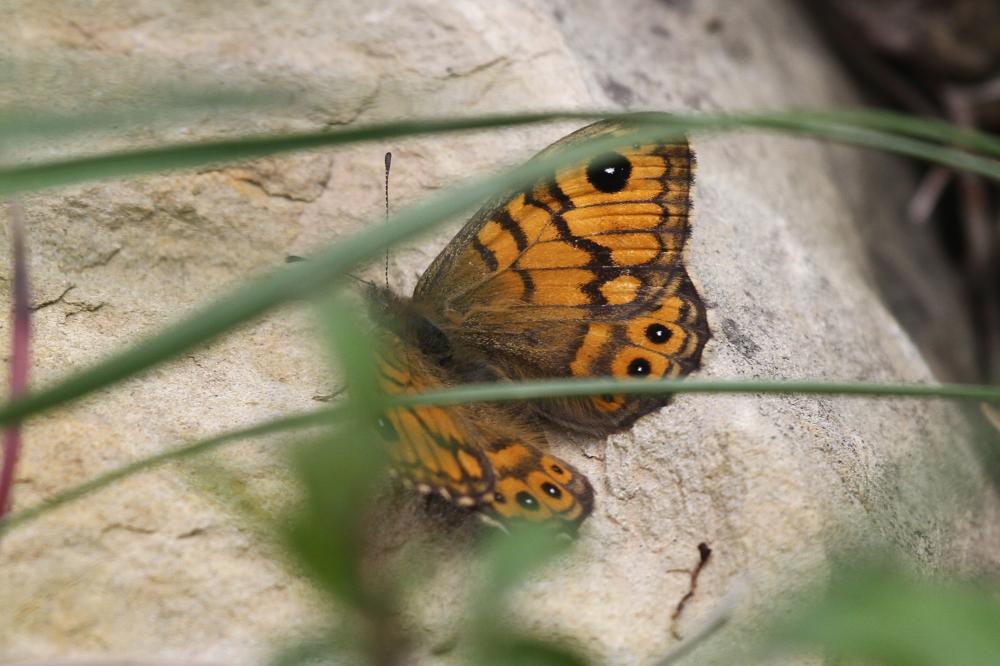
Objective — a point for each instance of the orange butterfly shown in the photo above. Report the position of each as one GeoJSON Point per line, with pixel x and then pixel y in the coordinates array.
{"type": "Point", "coordinates": [580, 275]}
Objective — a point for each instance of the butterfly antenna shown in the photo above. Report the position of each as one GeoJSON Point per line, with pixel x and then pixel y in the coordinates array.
{"type": "Point", "coordinates": [388, 163]}
{"type": "Point", "coordinates": [367, 283]}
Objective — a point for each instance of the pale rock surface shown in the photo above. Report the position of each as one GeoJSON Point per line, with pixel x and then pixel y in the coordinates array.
{"type": "Point", "coordinates": [777, 486]}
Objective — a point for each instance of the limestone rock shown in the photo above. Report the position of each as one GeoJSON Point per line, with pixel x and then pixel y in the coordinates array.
{"type": "Point", "coordinates": [782, 250]}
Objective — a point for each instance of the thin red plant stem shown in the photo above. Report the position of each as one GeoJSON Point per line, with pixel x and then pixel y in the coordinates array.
{"type": "Point", "coordinates": [21, 315]}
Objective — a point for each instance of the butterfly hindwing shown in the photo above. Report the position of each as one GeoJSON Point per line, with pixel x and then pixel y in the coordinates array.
{"type": "Point", "coordinates": [432, 448]}
{"type": "Point", "coordinates": [581, 275]}
{"type": "Point", "coordinates": [533, 486]}
{"type": "Point", "coordinates": [479, 456]}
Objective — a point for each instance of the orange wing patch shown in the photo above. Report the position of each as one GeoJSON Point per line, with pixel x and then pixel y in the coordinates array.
{"type": "Point", "coordinates": [602, 245]}
{"type": "Point", "coordinates": [568, 238]}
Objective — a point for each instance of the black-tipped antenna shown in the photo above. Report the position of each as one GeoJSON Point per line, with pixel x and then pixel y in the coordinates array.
{"type": "Point", "coordinates": [388, 163]}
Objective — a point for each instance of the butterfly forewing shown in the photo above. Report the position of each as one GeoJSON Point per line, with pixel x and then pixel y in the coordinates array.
{"type": "Point", "coordinates": [581, 275]}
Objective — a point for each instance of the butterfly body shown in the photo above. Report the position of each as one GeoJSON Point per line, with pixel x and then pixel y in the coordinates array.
{"type": "Point", "coordinates": [580, 275]}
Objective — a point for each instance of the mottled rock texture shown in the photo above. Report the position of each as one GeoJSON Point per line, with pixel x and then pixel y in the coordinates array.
{"type": "Point", "coordinates": [789, 249]}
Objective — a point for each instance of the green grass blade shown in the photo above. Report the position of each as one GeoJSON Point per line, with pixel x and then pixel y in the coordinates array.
{"type": "Point", "coordinates": [324, 533]}
{"type": "Point", "coordinates": [510, 558]}
{"type": "Point", "coordinates": [528, 651]}
{"type": "Point", "coordinates": [15, 179]}
{"type": "Point", "coordinates": [869, 138]}
{"type": "Point", "coordinates": [308, 420]}
{"type": "Point", "coordinates": [548, 388]}
{"type": "Point", "coordinates": [169, 104]}
{"type": "Point", "coordinates": [830, 126]}
{"type": "Point", "coordinates": [881, 615]}
{"type": "Point", "coordinates": [902, 123]}
{"type": "Point", "coordinates": [519, 391]}
{"type": "Point", "coordinates": [865, 132]}
{"type": "Point", "coordinates": [351, 350]}
{"type": "Point", "coordinates": [338, 477]}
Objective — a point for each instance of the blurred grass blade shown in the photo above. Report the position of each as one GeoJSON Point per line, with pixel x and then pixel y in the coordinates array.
{"type": "Point", "coordinates": [20, 358]}
{"type": "Point", "coordinates": [351, 351]}
{"type": "Point", "coordinates": [880, 614]}
{"type": "Point", "coordinates": [511, 558]}
{"type": "Point", "coordinates": [829, 126]}
{"type": "Point", "coordinates": [857, 134]}
{"type": "Point", "coordinates": [339, 476]}
{"type": "Point", "coordinates": [163, 104]}
{"type": "Point", "coordinates": [308, 420]}
{"type": "Point", "coordinates": [325, 532]}
{"type": "Point", "coordinates": [326, 535]}
{"type": "Point", "coordinates": [203, 153]}
{"type": "Point", "coordinates": [313, 651]}
{"type": "Point", "coordinates": [529, 651]}
{"type": "Point", "coordinates": [903, 123]}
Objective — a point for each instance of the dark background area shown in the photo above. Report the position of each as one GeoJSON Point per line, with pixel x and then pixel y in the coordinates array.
{"type": "Point", "coordinates": [938, 59]}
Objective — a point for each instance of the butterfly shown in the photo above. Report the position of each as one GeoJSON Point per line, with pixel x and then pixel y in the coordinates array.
{"type": "Point", "coordinates": [579, 275]}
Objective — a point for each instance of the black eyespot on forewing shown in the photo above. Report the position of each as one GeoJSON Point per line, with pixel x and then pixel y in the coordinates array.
{"type": "Point", "coordinates": [639, 367]}
{"type": "Point", "coordinates": [527, 501]}
{"type": "Point", "coordinates": [658, 333]}
{"type": "Point", "coordinates": [609, 172]}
